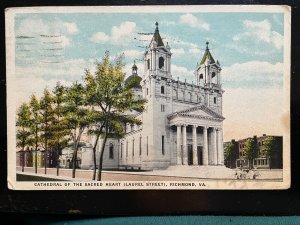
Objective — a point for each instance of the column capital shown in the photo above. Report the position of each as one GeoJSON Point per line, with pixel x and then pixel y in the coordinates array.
{"type": "Point", "coordinates": [184, 125]}
{"type": "Point", "coordinates": [195, 126]}
{"type": "Point", "coordinates": [205, 127]}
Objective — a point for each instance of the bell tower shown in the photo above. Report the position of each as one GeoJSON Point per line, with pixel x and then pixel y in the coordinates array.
{"type": "Point", "coordinates": [158, 57]}
{"type": "Point", "coordinates": [208, 71]}
{"type": "Point", "coordinates": [207, 75]}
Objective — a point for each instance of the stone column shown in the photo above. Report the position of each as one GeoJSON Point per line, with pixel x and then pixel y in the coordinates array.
{"type": "Point", "coordinates": [205, 146]}
{"type": "Point", "coordinates": [184, 146]}
{"type": "Point", "coordinates": [215, 147]}
{"type": "Point", "coordinates": [179, 150]}
{"type": "Point", "coordinates": [195, 155]}
{"type": "Point", "coordinates": [220, 148]}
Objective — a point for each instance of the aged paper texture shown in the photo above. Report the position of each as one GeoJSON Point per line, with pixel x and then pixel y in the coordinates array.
{"type": "Point", "coordinates": [148, 97]}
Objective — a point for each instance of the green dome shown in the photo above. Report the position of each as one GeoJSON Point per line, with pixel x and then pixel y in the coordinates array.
{"type": "Point", "coordinates": [133, 81]}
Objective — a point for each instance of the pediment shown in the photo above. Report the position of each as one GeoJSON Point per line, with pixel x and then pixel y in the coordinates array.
{"type": "Point", "coordinates": [201, 111]}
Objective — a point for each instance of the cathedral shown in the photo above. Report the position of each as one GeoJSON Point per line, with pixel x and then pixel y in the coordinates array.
{"type": "Point", "coordinates": [182, 123]}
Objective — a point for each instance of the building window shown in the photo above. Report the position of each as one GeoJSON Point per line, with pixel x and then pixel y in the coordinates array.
{"type": "Point", "coordinates": [147, 146]}
{"type": "Point", "coordinates": [215, 100]}
{"type": "Point", "coordinates": [133, 147]}
{"type": "Point", "coordinates": [161, 62]}
{"type": "Point", "coordinates": [175, 95]}
{"type": "Point", "coordinates": [201, 76]}
{"type": "Point", "coordinates": [126, 149]}
{"type": "Point", "coordinates": [163, 145]}
{"type": "Point", "coordinates": [111, 151]}
{"type": "Point", "coordinates": [140, 150]}
{"type": "Point", "coordinates": [213, 74]}
{"type": "Point", "coordinates": [190, 95]}
{"type": "Point", "coordinates": [148, 64]}
{"type": "Point", "coordinates": [162, 89]}
{"type": "Point", "coordinates": [147, 91]}
{"type": "Point", "coordinates": [162, 108]}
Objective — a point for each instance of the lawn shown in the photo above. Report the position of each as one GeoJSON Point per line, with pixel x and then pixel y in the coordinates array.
{"type": "Point", "coordinates": [23, 177]}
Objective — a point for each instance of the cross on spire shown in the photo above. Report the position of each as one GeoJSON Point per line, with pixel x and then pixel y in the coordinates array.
{"type": "Point", "coordinates": [207, 43]}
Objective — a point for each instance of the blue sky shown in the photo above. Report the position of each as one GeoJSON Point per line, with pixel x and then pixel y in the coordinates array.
{"type": "Point", "coordinates": [249, 47]}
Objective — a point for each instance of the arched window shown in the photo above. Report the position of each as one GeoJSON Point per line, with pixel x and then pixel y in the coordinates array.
{"type": "Point", "coordinates": [213, 74]}
{"type": "Point", "coordinates": [111, 151]}
{"type": "Point", "coordinates": [162, 89]}
{"type": "Point", "coordinates": [161, 62]}
{"type": "Point", "coordinates": [148, 64]}
{"type": "Point", "coordinates": [190, 96]}
{"type": "Point", "coordinates": [201, 76]}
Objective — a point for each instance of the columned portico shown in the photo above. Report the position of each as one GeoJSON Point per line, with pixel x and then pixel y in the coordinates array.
{"type": "Point", "coordinates": [184, 146]}
{"type": "Point", "coordinates": [205, 147]}
{"type": "Point", "coordinates": [216, 149]}
{"type": "Point", "coordinates": [195, 151]}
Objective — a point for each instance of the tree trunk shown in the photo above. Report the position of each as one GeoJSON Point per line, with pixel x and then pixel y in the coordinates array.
{"type": "Point", "coordinates": [57, 163]}
{"type": "Point", "coordinates": [45, 160]}
{"type": "Point", "coordinates": [74, 160]}
{"type": "Point", "coordinates": [94, 156]}
{"type": "Point", "coordinates": [102, 151]}
{"type": "Point", "coordinates": [36, 145]}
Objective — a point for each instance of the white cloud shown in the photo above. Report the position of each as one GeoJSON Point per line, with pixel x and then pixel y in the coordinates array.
{"type": "Point", "coordinates": [253, 111]}
{"type": "Point", "coordinates": [177, 52]}
{"type": "Point", "coordinates": [121, 34]}
{"type": "Point", "coordinates": [259, 31]}
{"type": "Point", "coordinates": [194, 51]}
{"type": "Point", "coordinates": [193, 21]}
{"type": "Point", "coordinates": [99, 37]}
{"type": "Point", "coordinates": [125, 29]}
{"type": "Point", "coordinates": [71, 27]}
{"type": "Point", "coordinates": [253, 73]}
{"type": "Point", "coordinates": [253, 99]}
{"type": "Point", "coordinates": [45, 32]}
{"type": "Point", "coordinates": [33, 78]}
{"type": "Point", "coordinates": [182, 72]}
{"type": "Point", "coordinates": [133, 53]}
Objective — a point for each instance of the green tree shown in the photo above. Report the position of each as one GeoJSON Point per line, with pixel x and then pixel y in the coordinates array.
{"type": "Point", "coordinates": [113, 99]}
{"type": "Point", "coordinates": [23, 132]}
{"type": "Point", "coordinates": [271, 148]}
{"type": "Point", "coordinates": [229, 154]}
{"type": "Point", "coordinates": [46, 119]}
{"type": "Point", "coordinates": [60, 134]}
{"type": "Point", "coordinates": [251, 151]}
{"type": "Point", "coordinates": [35, 125]}
{"type": "Point", "coordinates": [76, 117]}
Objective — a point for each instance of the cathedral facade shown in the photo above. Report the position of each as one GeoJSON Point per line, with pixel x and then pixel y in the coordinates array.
{"type": "Point", "coordinates": [182, 123]}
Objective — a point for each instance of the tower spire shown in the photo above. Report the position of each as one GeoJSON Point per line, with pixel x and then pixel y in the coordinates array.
{"type": "Point", "coordinates": [207, 43]}
{"type": "Point", "coordinates": [156, 27]}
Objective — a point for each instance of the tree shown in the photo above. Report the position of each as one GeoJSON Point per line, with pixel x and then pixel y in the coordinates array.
{"type": "Point", "coordinates": [35, 125]}
{"type": "Point", "coordinates": [251, 151]}
{"type": "Point", "coordinates": [76, 117]}
{"type": "Point", "coordinates": [60, 135]}
{"type": "Point", "coordinates": [46, 118]}
{"type": "Point", "coordinates": [229, 154]}
{"type": "Point", "coordinates": [23, 123]}
{"type": "Point", "coordinates": [271, 148]}
{"type": "Point", "coordinates": [112, 98]}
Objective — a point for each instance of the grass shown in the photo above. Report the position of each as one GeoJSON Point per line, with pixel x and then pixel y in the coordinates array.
{"type": "Point", "coordinates": [22, 177]}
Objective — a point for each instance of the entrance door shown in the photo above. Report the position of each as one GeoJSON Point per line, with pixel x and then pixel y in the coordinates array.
{"type": "Point", "coordinates": [200, 156]}
{"type": "Point", "coordinates": [190, 154]}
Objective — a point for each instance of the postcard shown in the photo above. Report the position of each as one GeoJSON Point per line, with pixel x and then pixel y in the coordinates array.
{"type": "Point", "coordinates": [148, 97]}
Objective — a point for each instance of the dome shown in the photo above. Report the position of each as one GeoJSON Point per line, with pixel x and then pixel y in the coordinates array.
{"type": "Point", "coordinates": [133, 81]}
